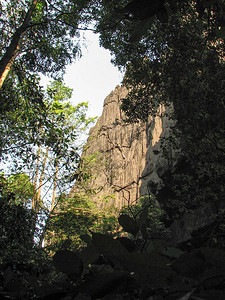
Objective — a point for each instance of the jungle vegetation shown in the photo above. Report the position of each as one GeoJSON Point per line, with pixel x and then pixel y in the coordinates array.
{"type": "Point", "coordinates": [173, 54]}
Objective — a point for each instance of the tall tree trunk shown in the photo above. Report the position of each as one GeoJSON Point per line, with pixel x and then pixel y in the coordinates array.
{"type": "Point", "coordinates": [52, 204]}
{"type": "Point", "coordinates": [7, 69]}
{"type": "Point", "coordinates": [36, 203]}
{"type": "Point", "coordinates": [36, 177]}
{"type": "Point", "coordinates": [12, 50]}
{"type": "Point", "coordinates": [41, 180]}
{"type": "Point", "coordinates": [54, 185]}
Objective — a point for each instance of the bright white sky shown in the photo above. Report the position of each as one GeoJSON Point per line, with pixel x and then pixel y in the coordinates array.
{"type": "Point", "coordinates": [93, 76]}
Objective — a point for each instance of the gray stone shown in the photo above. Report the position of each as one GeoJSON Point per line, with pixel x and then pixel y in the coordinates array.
{"type": "Point", "coordinates": [132, 162]}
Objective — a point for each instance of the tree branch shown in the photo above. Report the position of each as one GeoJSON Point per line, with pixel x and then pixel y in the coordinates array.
{"type": "Point", "coordinates": [13, 48]}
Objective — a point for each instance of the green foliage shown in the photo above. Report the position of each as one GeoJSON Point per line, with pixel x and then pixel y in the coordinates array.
{"type": "Point", "coordinates": [20, 121]}
{"type": "Point", "coordinates": [68, 262]}
{"type": "Point", "coordinates": [26, 129]}
{"type": "Point", "coordinates": [106, 268]}
{"type": "Point", "coordinates": [16, 223]}
{"type": "Point", "coordinates": [18, 219]}
{"type": "Point", "coordinates": [71, 224]}
{"type": "Point", "coordinates": [19, 186]}
{"type": "Point", "coordinates": [28, 133]}
{"type": "Point", "coordinates": [37, 37]}
{"type": "Point", "coordinates": [126, 27]}
{"type": "Point", "coordinates": [179, 63]}
{"type": "Point", "coordinates": [22, 271]}
{"type": "Point", "coordinates": [25, 90]}
{"type": "Point", "coordinates": [113, 269]}
{"type": "Point", "coordinates": [57, 91]}
{"type": "Point", "coordinates": [144, 220]}
{"type": "Point", "coordinates": [50, 39]}
{"type": "Point", "coordinates": [22, 264]}
{"type": "Point", "coordinates": [173, 55]}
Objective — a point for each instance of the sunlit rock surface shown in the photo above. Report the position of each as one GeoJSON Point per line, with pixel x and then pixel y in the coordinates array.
{"type": "Point", "coordinates": [131, 157]}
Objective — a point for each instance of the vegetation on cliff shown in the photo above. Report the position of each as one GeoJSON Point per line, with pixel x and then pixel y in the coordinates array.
{"type": "Point", "coordinates": [173, 52]}
{"type": "Point", "coordinates": [179, 61]}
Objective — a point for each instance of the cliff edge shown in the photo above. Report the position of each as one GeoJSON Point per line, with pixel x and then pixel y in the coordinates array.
{"type": "Point", "coordinates": [131, 157]}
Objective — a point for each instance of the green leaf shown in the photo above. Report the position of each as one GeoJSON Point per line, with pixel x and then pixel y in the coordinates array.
{"type": "Point", "coordinates": [172, 252]}
{"type": "Point", "coordinates": [107, 245]}
{"type": "Point", "coordinates": [128, 224]}
{"type": "Point", "coordinates": [190, 264]}
{"type": "Point", "coordinates": [89, 255]}
{"type": "Point", "coordinates": [141, 29]}
{"type": "Point", "coordinates": [86, 238]}
{"type": "Point", "coordinates": [149, 267]}
{"type": "Point", "coordinates": [101, 285]}
{"type": "Point", "coordinates": [143, 216]}
{"type": "Point", "coordinates": [157, 246]}
{"type": "Point", "coordinates": [69, 263]}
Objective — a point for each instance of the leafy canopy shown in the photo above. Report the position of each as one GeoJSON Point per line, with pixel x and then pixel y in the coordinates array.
{"type": "Point", "coordinates": [178, 62]}
{"type": "Point", "coordinates": [38, 37]}
{"type": "Point", "coordinates": [51, 36]}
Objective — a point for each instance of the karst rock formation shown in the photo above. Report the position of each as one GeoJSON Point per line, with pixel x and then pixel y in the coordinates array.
{"type": "Point", "coordinates": [131, 157]}
{"type": "Point", "coordinates": [130, 160]}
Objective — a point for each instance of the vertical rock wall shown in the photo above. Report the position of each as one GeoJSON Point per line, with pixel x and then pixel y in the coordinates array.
{"type": "Point", "coordinates": [131, 158]}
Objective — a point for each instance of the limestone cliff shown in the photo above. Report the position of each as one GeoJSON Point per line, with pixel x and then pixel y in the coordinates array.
{"type": "Point", "coordinates": [131, 159]}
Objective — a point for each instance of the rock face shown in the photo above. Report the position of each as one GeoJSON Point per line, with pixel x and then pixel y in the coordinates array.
{"type": "Point", "coordinates": [131, 160]}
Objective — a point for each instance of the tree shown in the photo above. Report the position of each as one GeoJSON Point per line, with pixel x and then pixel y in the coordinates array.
{"type": "Point", "coordinates": [58, 148]}
{"type": "Point", "coordinates": [40, 36]}
{"type": "Point", "coordinates": [19, 124]}
{"type": "Point", "coordinates": [178, 62]}
{"type": "Point", "coordinates": [23, 265]}
{"type": "Point", "coordinates": [70, 226]}
{"type": "Point", "coordinates": [68, 123]}
{"type": "Point", "coordinates": [125, 27]}
{"type": "Point", "coordinates": [18, 185]}
{"type": "Point", "coordinates": [47, 148]}
{"type": "Point", "coordinates": [15, 194]}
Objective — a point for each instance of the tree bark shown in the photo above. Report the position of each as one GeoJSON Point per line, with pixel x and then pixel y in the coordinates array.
{"type": "Point", "coordinates": [41, 180]}
{"type": "Point", "coordinates": [36, 176]}
{"type": "Point", "coordinates": [54, 186]}
{"type": "Point", "coordinates": [12, 50]}
{"type": "Point", "coordinates": [52, 204]}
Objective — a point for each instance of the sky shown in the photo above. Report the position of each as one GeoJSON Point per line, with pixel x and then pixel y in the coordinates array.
{"type": "Point", "coordinates": [93, 76]}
